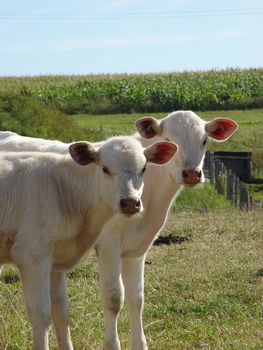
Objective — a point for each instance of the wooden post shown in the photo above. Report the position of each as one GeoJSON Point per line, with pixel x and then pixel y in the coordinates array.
{"type": "Point", "coordinates": [228, 183]}
{"type": "Point", "coordinates": [212, 167]}
{"type": "Point", "coordinates": [236, 191]}
{"type": "Point", "coordinates": [222, 178]}
{"type": "Point", "coordinates": [244, 197]}
{"type": "Point", "coordinates": [217, 171]}
{"type": "Point", "coordinates": [230, 186]}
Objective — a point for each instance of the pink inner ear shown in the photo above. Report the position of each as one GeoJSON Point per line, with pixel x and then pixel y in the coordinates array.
{"type": "Point", "coordinates": [164, 152]}
{"type": "Point", "coordinates": [146, 128]}
{"type": "Point", "coordinates": [222, 129]}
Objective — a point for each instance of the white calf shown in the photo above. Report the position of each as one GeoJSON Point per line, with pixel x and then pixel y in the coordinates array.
{"type": "Point", "coordinates": [122, 266]}
{"type": "Point", "coordinates": [52, 211]}
{"type": "Point", "coordinates": [123, 243]}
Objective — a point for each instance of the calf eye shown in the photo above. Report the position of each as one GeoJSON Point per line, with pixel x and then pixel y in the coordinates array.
{"type": "Point", "coordinates": [143, 170]}
{"type": "Point", "coordinates": [106, 170]}
{"type": "Point", "coordinates": [204, 142]}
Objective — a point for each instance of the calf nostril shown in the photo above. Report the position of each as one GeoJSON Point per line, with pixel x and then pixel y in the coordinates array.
{"type": "Point", "coordinates": [192, 176]}
{"type": "Point", "coordinates": [130, 205]}
{"type": "Point", "coordinates": [184, 173]}
{"type": "Point", "coordinates": [123, 203]}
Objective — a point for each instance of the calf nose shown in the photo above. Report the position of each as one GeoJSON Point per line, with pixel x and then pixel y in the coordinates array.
{"type": "Point", "coordinates": [130, 206]}
{"type": "Point", "coordinates": [192, 176]}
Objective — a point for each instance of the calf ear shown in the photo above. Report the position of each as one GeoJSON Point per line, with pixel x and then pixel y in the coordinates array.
{"type": "Point", "coordinates": [148, 127]}
{"type": "Point", "coordinates": [220, 129]}
{"type": "Point", "coordinates": [160, 152]}
{"type": "Point", "coordinates": [83, 153]}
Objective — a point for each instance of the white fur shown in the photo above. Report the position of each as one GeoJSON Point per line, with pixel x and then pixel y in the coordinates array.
{"type": "Point", "coordinates": [11, 141]}
{"type": "Point", "coordinates": [124, 242]}
{"type": "Point", "coordinates": [52, 211]}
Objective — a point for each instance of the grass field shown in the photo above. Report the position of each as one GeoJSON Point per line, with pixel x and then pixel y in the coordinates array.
{"type": "Point", "coordinates": [203, 294]}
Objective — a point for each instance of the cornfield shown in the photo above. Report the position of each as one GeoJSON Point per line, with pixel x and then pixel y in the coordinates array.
{"type": "Point", "coordinates": [199, 91]}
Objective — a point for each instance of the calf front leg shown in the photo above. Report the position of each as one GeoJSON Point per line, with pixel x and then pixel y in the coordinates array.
{"type": "Point", "coordinates": [59, 308]}
{"type": "Point", "coordinates": [111, 290]}
{"type": "Point", "coordinates": [35, 268]}
{"type": "Point", "coordinates": [133, 280]}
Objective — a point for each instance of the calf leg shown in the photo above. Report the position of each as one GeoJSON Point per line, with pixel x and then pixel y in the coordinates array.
{"type": "Point", "coordinates": [59, 308]}
{"type": "Point", "coordinates": [133, 279]}
{"type": "Point", "coordinates": [35, 269]}
{"type": "Point", "coordinates": [111, 290]}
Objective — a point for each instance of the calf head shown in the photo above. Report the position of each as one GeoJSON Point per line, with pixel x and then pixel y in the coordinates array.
{"type": "Point", "coordinates": [120, 166]}
{"type": "Point", "coordinates": [191, 133]}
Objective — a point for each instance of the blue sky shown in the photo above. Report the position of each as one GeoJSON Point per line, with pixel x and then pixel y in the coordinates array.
{"type": "Point", "coordinates": [129, 36]}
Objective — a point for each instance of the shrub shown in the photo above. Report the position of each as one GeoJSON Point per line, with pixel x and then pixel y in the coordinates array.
{"type": "Point", "coordinates": [30, 117]}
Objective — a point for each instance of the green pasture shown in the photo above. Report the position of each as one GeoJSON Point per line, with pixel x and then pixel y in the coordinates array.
{"type": "Point", "coordinates": [205, 293]}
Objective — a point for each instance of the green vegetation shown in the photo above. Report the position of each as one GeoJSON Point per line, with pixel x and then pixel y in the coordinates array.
{"type": "Point", "coordinates": [257, 190]}
{"type": "Point", "coordinates": [30, 117]}
{"type": "Point", "coordinates": [203, 198]}
{"type": "Point", "coordinates": [202, 294]}
{"type": "Point", "coordinates": [212, 90]}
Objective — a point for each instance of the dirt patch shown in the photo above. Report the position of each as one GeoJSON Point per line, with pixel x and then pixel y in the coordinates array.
{"type": "Point", "coordinates": [171, 239]}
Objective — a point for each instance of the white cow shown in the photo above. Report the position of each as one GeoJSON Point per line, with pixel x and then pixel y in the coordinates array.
{"type": "Point", "coordinates": [53, 208]}
{"type": "Point", "coordinates": [123, 242]}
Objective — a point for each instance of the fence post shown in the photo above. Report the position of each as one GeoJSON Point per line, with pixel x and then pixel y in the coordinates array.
{"type": "Point", "coordinates": [244, 197]}
{"type": "Point", "coordinates": [217, 174]}
{"type": "Point", "coordinates": [212, 167]}
{"type": "Point", "coordinates": [236, 190]}
{"type": "Point", "coordinates": [219, 177]}
{"type": "Point", "coordinates": [228, 183]}
{"type": "Point", "coordinates": [230, 189]}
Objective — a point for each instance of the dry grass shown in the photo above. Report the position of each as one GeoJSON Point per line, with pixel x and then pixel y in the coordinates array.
{"type": "Point", "coordinates": [203, 294]}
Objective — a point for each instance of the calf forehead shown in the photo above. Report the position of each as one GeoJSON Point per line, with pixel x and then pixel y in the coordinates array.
{"type": "Point", "coordinates": [123, 154]}
{"type": "Point", "coordinates": [184, 127]}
